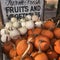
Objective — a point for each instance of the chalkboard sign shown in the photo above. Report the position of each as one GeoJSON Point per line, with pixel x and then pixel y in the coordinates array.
{"type": "Point", "coordinates": [21, 8]}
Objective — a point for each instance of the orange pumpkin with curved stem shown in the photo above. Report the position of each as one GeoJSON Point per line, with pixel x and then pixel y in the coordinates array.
{"type": "Point", "coordinates": [49, 25]}
{"type": "Point", "coordinates": [57, 46]}
{"type": "Point", "coordinates": [57, 32]}
{"type": "Point", "coordinates": [42, 42]}
{"type": "Point", "coordinates": [47, 33]}
{"type": "Point", "coordinates": [22, 46]}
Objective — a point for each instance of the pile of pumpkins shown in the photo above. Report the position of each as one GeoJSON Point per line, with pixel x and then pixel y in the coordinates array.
{"type": "Point", "coordinates": [30, 38]}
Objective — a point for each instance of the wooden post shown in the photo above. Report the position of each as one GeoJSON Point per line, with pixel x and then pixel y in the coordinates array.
{"type": "Point", "coordinates": [58, 9]}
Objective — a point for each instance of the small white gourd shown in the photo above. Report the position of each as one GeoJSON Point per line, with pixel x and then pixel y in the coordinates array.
{"type": "Point", "coordinates": [16, 24]}
{"type": "Point", "coordinates": [23, 30]}
{"type": "Point", "coordinates": [13, 19]}
{"type": "Point", "coordinates": [5, 38]}
{"type": "Point", "coordinates": [29, 24]}
{"type": "Point", "coordinates": [14, 33]}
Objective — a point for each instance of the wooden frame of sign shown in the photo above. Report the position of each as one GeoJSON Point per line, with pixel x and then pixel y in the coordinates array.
{"type": "Point", "coordinates": [9, 11]}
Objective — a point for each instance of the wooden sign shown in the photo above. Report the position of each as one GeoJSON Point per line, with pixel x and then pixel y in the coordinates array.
{"type": "Point", "coordinates": [21, 8]}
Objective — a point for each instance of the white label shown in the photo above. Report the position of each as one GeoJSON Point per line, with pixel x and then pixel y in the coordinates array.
{"type": "Point", "coordinates": [21, 8]}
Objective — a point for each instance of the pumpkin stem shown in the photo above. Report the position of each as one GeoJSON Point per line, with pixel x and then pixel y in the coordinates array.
{"type": "Point", "coordinates": [26, 49]}
{"type": "Point", "coordinates": [51, 47]}
{"type": "Point", "coordinates": [50, 20]}
{"type": "Point", "coordinates": [14, 46]}
{"type": "Point", "coordinates": [58, 23]}
{"type": "Point", "coordinates": [39, 46]}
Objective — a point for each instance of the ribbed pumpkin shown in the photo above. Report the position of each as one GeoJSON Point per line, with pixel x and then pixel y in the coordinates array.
{"type": "Point", "coordinates": [47, 33]}
{"type": "Point", "coordinates": [57, 32]}
{"type": "Point", "coordinates": [42, 42]}
{"type": "Point", "coordinates": [21, 47]}
{"type": "Point", "coordinates": [49, 25]}
{"type": "Point", "coordinates": [57, 46]}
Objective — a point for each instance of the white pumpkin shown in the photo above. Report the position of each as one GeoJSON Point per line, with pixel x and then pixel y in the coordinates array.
{"type": "Point", "coordinates": [4, 31]}
{"type": "Point", "coordinates": [22, 20]}
{"type": "Point", "coordinates": [16, 24]}
{"type": "Point", "coordinates": [38, 23]}
{"type": "Point", "coordinates": [29, 24]}
{"type": "Point", "coordinates": [35, 17]}
{"type": "Point", "coordinates": [23, 24]}
{"type": "Point", "coordinates": [14, 33]}
{"type": "Point", "coordinates": [8, 25]}
{"type": "Point", "coordinates": [5, 38]}
{"type": "Point", "coordinates": [23, 30]}
{"type": "Point", "coordinates": [28, 17]}
{"type": "Point", "coordinates": [13, 19]}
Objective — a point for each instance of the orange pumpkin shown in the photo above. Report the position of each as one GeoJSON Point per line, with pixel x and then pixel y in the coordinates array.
{"type": "Point", "coordinates": [12, 53]}
{"type": "Point", "coordinates": [57, 32]}
{"type": "Point", "coordinates": [57, 46]}
{"type": "Point", "coordinates": [49, 25]}
{"type": "Point", "coordinates": [7, 47]}
{"type": "Point", "coordinates": [52, 55]}
{"type": "Point", "coordinates": [21, 47]}
{"type": "Point", "coordinates": [42, 42]}
{"type": "Point", "coordinates": [30, 32]}
{"type": "Point", "coordinates": [47, 33]}
{"type": "Point", "coordinates": [41, 56]}
{"type": "Point", "coordinates": [37, 31]}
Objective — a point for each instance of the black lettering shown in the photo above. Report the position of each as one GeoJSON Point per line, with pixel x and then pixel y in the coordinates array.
{"type": "Point", "coordinates": [7, 10]}
{"type": "Point", "coordinates": [26, 9]}
{"type": "Point", "coordinates": [11, 9]}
